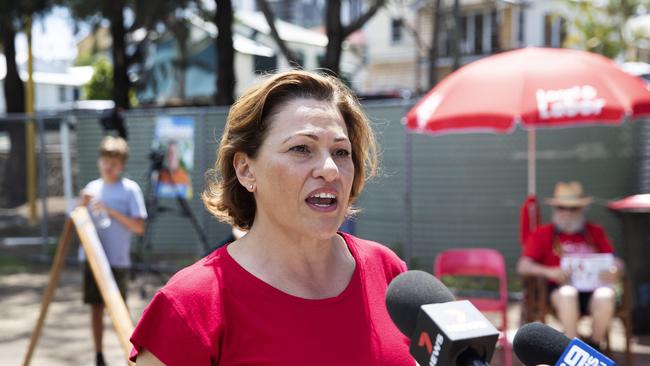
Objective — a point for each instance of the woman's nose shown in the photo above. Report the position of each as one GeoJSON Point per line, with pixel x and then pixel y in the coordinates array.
{"type": "Point", "coordinates": [327, 169]}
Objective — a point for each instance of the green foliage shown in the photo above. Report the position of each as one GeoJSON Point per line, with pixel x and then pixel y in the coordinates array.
{"type": "Point", "coordinates": [602, 29]}
{"type": "Point", "coordinates": [86, 59]}
{"type": "Point", "coordinates": [100, 86]}
{"type": "Point", "coordinates": [143, 14]}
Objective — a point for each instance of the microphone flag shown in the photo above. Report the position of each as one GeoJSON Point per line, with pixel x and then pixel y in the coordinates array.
{"type": "Point", "coordinates": [445, 330]}
{"type": "Point", "coordinates": [579, 353]}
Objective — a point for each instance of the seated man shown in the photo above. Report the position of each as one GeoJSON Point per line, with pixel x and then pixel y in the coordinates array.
{"type": "Point", "coordinates": [570, 234]}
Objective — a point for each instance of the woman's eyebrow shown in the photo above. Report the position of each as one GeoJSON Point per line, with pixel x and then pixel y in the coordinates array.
{"type": "Point", "coordinates": [315, 137]}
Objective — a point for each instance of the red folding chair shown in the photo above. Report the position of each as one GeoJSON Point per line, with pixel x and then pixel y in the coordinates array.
{"type": "Point", "coordinates": [480, 262]}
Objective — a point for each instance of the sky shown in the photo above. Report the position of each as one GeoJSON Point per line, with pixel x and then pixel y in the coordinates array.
{"type": "Point", "coordinates": [53, 37]}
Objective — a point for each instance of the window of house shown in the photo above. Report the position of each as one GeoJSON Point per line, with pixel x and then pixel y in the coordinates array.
{"type": "Point", "coordinates": [521, 22]}
{"type": "Point", "coordinates": [555, 30]}
{"type": "Point", "coordinates": [263, 64]}
{"type": "Point", "coordinates": [465, 48]}
{"type": "Point", "coordinates": [495, 42]}
{"type": "Point", "coordinates": [443, 46]}
{"type": "Point", "coordinates": [396, 29]}
{"type": "Point", "coordinates": [478, 34]}
{"type": "Point", "coordinates": [300, 57]}
{"type": "Point", "coordinates": [563, 30]}
{"type": "Point", "coordinates": [62, 94]}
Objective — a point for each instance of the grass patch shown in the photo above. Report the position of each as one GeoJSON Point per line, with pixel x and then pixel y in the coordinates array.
{"type": "Point", "coordinates": [11, 265]}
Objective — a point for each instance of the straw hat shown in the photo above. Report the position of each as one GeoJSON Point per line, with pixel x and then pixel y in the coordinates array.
{"type": "Point", "coordinates": [569, 195]}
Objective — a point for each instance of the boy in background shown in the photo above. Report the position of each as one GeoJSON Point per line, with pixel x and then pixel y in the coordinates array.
{"type": "Point", "coordinates": [118, 210]}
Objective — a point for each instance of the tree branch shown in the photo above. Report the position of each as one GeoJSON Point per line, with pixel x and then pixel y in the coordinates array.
{"type": "Point", "coordinates": [360, 21]}
{"type": "Point", "coordinates": [270, 19]}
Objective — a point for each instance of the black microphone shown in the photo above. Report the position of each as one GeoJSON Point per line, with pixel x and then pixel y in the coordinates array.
{"type": "Point", "coordinates": [539, 344]}
{"type": "Point", "coordinates": [442, 331]}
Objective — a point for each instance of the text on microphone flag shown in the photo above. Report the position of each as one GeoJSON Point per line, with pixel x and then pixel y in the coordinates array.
{"type": "Point", "coordinates": [579, 353]}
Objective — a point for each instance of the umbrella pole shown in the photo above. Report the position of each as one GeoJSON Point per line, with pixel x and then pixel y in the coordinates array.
{"type": "Point", "coordinates": [407, 246]}
{"type": "Point", "coordinates": [408, 201]}
{"type": "Point", "coordinates": [531, 162]}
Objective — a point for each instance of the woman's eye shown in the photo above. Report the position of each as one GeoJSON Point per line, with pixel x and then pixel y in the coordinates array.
{"type": "Point", "coordinates": [300, 149]}
{"type": "Point", "coordinates": [342, 153]}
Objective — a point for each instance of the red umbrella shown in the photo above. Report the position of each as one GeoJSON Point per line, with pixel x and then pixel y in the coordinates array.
{"type": "Point", "coordinates": [636, 203]}
{"type": "Point", "coordinates": [531, 87]}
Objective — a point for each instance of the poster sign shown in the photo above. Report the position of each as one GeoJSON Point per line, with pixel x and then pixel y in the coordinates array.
{"type": "Point", "coordinates": [173, 145]}
{"type": "Point", "coordinates": [586, 268]}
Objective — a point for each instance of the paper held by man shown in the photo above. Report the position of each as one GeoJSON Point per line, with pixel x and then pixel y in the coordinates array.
{"type": "Point", "coordinates": [586, 269]}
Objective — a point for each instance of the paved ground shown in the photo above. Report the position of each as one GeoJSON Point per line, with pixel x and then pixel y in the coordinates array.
{"type": "Point", "coordinates": [66, 338]}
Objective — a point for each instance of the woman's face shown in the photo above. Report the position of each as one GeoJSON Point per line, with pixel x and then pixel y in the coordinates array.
{"type": "Point", "coordinates": [303, 171]}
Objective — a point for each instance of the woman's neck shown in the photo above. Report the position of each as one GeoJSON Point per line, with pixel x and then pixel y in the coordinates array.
{"type": "Point", "coordinates": [302, 266]}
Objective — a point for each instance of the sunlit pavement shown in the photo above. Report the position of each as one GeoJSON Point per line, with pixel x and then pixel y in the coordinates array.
{"type": "Point", "coordinates": [66, 337]}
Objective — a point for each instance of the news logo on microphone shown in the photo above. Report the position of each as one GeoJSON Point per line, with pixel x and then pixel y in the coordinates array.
{"type": "Point", "coordinates": [445, 330]}
{"type": "Point", "coordinates": [578, 353]}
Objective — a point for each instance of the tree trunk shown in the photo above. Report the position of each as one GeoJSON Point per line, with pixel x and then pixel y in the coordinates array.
{"type": "Point", "coordinates": [337, 33]}
{"type": "Point", "coordinates": [118, 33]}
{"type": "Point", "coordinates": [225, 94]}
{"type": "Point", "coordinates": [14, 184]}
{"type": "Point", "coordinates": [181, 35]}
{"type": "Point", "coordinates": [455, 37]}
{"type": "Point", "coordinates": [335, 37]}
{"type": "Point", "coordinates": [435, 40]}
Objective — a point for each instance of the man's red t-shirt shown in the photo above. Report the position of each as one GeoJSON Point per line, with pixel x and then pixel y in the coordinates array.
{"type": "Point", "coordinates": [546, 247]}
{"type": "Point", "coordinates": [216, 313]}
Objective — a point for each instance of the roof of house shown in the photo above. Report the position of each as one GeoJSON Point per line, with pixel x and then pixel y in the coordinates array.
{"type": "Point", "coordinates": [74, 76]}
{"type": "Point", "coordinates": [256, 21]}
{"type": "Point", "coordinates": [287, 31]}
{"type": "Point", "coordinates": [240, 43]}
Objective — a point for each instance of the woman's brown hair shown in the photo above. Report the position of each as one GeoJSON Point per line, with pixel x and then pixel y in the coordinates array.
{"type": "Point", "coordinates": [246, 127]}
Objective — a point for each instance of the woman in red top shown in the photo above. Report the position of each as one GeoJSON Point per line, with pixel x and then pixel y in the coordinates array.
{"type": "Point", "coordinates": [293, 158]}
{"type": "Point", "coordinates": [570, 234]}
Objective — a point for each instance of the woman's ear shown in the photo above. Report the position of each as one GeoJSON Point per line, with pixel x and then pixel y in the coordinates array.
{"type": "Point", "coordinates": [244, 170]}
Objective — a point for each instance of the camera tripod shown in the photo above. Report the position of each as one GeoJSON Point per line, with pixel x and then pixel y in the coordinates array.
{"type": "Point", "coordinates": [143, 261]}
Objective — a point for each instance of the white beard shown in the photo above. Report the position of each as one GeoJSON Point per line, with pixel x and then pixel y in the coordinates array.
{"type": "Point", "coordinates": [568, 226]}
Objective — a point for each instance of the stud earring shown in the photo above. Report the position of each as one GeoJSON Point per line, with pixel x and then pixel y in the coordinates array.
{"type": "Point", "coordinates": [250, 186]}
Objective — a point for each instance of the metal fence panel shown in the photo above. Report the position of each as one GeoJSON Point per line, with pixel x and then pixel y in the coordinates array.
{"type": "Point", "coordinates": [172, 233]}
{"type": "Point", "coordinates": [466, 189]}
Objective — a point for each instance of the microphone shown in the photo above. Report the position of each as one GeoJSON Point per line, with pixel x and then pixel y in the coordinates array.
{"type": "Point", "coordinates": [537, 343]}
{"type": "Point", "coordinates": [442, 331]}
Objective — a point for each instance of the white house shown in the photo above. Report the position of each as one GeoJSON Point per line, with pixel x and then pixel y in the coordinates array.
{"type": "Point", "coordinates": [256, 53]}
{"type": "Point", "coordinates": [398, 37]}
{"type": "Point", "coordinates": [56, 89]}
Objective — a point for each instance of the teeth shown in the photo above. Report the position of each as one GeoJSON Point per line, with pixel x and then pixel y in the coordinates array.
{"type": "Point", "coordinates": [324, 195]}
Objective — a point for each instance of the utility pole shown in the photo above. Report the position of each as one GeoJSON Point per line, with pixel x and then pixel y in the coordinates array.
{"type": "Point", "coordinates": [30, 128]}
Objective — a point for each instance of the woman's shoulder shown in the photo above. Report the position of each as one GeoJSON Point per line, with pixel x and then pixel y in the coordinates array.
{"type": "Point", "coordinates": [198, 282]}
{"type": "Point", "coordinates": [187, 311]}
